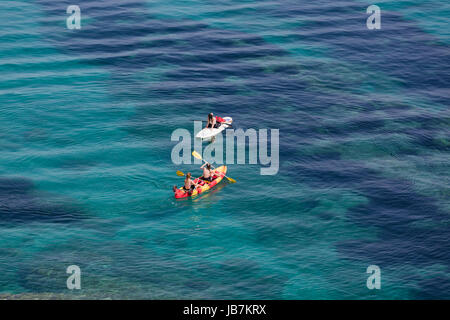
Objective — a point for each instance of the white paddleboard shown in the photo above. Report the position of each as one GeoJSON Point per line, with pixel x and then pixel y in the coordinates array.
{"type": "Point", "coordinates": [207, 133]}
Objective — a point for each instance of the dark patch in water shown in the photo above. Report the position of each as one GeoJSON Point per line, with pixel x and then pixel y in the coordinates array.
{"type": "Point", "coordinates": [394, 208]}
{"type": "Point", "coordinates": [326, 216]}
{"type": "Point", "coordinates": [400, 49]}
{"type": "Point", "coordinates": [308, 205]}
{"type": "Point", "coordinates": [20, 204]}
{"type": "Point", "coordinates": [435, 288]}
{"type": "Point", "coordinates": [432, 143]}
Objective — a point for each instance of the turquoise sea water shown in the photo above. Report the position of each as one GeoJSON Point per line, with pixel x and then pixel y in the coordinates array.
{"type": "Point", "coordinates": [85, 166]}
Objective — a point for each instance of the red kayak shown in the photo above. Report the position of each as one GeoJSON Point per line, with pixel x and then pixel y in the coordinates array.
{"type": "Point", "coordinates": [203, 186]}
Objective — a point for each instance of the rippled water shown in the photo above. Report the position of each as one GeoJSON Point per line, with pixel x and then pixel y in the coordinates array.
{"type": "Point", "coordinates": [86, 173]}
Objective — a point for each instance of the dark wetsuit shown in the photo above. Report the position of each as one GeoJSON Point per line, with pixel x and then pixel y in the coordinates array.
{"type": "Point", "coordinates": [216, 125]}
{"type": "Point", "coordinates": [207, 179]}
{"type": "Point", "coordinates": [192, 188]}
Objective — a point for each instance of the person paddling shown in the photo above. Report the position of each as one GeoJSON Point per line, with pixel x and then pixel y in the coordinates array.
{"type": "Point", "coordinates": [189, 185]}
{"type": "Point", "coordinates": [214, 122]}
{"type": "Point", "coordinates": [207, 172]}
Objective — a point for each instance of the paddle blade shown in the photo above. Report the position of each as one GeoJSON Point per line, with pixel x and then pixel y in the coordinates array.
{"type": "Point", "coordinates": [179, 173]}
{"type": "Point", "coordinates": [196, 155]}
{"type": "Point", "coordinates": [231, 180]}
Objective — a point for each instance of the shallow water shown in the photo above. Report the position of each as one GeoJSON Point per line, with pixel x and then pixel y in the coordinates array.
{"type": "Point", "coordinates": [86, 172]}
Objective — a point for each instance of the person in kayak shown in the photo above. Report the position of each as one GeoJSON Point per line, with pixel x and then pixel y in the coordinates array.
{"type": "Point", "coordinates": [214, 122]}
{"type": "Point", "coordinates": [189, 185]}
{"type": "Point", "coordinates": [207, 172]}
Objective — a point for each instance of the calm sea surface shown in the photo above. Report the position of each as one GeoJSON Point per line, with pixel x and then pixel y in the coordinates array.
{"type": "Point", "coordinates": [86, 174]}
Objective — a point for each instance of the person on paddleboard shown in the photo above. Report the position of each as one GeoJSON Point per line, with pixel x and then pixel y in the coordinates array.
{"type": "Point", "coordinates": [207, 172]}
{"type": "Point", "coordinates": [214, 122]}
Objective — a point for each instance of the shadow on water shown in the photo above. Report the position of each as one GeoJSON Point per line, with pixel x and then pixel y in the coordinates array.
{"type": "Point", "coordinates": [19, 203]}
